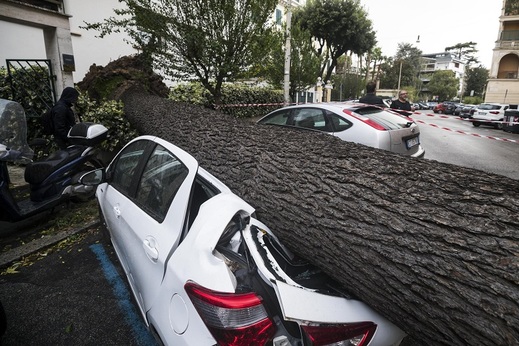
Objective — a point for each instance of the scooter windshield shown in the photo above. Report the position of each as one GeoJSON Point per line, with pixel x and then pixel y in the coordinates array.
{"type": "Point", "coordinates": [13, 129]}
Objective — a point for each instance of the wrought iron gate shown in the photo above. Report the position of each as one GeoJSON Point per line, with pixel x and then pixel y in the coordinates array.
{"type": "Point", "coordinates": [32, 85]}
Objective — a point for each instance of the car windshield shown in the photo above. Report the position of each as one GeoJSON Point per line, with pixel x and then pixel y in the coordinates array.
{"type": "Point", "coordinates": [389, 120]}
{"type": "Point", "coordinates": [489, 107]}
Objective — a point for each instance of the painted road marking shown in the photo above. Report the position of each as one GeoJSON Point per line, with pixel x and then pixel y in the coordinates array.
{"type": "Point", "coordinates": [131, 317]}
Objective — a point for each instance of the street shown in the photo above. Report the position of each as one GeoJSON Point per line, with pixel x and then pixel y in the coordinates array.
{"type": "Point", "coordinates": [76, 295]}
{"type": "Point", "coordinates": [449, 139]}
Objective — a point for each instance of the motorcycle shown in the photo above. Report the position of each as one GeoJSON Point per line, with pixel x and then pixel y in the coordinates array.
{"type": "Point", "coordinates": [52, 180]}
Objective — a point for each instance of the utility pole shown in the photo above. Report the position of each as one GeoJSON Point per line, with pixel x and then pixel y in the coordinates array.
{"type": "Point", "coordinates": [286, 83]}
{"type": "Point", "coordinates": [399, 76]}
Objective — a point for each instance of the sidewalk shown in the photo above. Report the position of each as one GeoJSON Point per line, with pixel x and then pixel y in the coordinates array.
{"type": "Point", "coordinates": [17, 253]}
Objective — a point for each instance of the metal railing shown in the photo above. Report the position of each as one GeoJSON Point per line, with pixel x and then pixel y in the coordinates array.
{"type": "Point", "coordinates": [32, 84]}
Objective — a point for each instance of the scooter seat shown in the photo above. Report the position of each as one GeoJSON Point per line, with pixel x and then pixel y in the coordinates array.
{"type": "Point", "coordinates": [37, 172]}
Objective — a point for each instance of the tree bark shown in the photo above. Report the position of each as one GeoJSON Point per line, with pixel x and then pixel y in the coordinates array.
{"type": "Point", "coordinates": [433, 247]}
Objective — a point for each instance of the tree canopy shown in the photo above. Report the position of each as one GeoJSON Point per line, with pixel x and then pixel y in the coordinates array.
{"type": "Point", "coordinates": [208, 40]}
{"type": "Point", "coordinates": [304, 64]}
{"type": "Point", "coordinates": [443, 84]}
{"type": "Point", "coordinates": [464, 51]}
{"type": "Point", "coordinates": [410, 58]}
{"type": "Point", "coordinates": [338, 26]}
{"type": "Point", "coordinates": [476, 79]}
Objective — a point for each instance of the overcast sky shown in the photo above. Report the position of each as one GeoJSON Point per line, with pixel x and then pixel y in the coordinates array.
{"type": "Point", "coordinates": [439, 23]}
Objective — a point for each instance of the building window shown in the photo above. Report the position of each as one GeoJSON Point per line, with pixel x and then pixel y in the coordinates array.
{"type": "Point", "coordinates": [279, 15]}
{"type": "Point", "coordinates": [457, 64]}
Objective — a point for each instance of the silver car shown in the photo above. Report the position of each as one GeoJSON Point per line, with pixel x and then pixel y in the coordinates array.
{"type": "Point", "coordinates": [354, 122]}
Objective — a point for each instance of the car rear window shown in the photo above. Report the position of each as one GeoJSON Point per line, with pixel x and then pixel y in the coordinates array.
{"type": "Point", "coordinates": [489, 107]}
{"type": "Point", "coordinates": [389, 120]}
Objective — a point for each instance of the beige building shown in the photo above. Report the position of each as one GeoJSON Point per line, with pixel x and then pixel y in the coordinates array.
{"type": "Point", "coordinates": [503, 84]}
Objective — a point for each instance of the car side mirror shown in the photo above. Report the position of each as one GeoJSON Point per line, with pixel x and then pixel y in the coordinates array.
{"type": "Point", "coordinates": [93, 178]}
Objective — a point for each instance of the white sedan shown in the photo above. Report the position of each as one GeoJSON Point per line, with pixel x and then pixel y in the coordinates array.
{"type": "Point", "coordinates": [354, 122]}
{"type": "Point", "coordinates": [204, 271]}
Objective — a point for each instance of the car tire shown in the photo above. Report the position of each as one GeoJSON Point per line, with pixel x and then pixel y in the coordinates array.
{"type": "Point", "coordinates": [475, 124]}
{"type": "Point", "coordinates": [498, 126]}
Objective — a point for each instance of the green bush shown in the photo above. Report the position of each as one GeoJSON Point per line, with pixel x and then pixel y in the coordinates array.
{"type": "Point", "coordinates": [237, 100]}
{"type": "Point", "coordinates": [472, 100]}
{"type": "Point", "coordinates": [111, 115]}
{"type": "Point", "coordinates": [108, 113]}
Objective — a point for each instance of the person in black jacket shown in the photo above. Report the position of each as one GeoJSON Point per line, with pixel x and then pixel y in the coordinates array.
{"type": "Point", "coordinates": [401, 102]}
{"type": "Point", "coordinates": [370, 97]}
{"type": "Point", "coordinates": [63, 117]}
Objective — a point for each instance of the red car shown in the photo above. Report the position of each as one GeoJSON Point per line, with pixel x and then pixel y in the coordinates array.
{"type": "Point", "coordinates": [445, 108]}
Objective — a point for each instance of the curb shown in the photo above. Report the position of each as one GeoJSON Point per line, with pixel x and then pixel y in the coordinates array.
{"type": "Point", "coordinates": [19, 252]}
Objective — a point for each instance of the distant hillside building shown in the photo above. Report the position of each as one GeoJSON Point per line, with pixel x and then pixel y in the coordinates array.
{"type": "Point", "coordinates": [438, 62]}
{"type": "Point", "coordinates": [503, 83]}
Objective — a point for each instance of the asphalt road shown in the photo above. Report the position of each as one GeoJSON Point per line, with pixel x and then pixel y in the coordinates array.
{"type": "Point", "coordinates": [449, 139]}
{"type": "Point", "coordinates": [76, 295]}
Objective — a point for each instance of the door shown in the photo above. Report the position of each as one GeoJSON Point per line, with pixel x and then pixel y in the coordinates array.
{"type": "Point", "coordinates": [149, 219]}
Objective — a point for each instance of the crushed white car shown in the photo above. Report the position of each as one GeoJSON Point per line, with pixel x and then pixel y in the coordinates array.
{"type": "Point", "coordinates": [204, 271]}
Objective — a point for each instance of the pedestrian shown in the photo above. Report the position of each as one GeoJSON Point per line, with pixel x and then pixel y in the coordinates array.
{"type": "Point", "coordinates": [402, 102]}
{"type": "Point", "coordinates": [371, 98]}
{"type": "Point", "coordinates": [63, 117]}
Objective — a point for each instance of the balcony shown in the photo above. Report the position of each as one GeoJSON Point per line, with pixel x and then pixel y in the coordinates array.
{"type": "Point", "coordinates": [508, 44]}
{"type": "Point", "coordinates": [51, 5]}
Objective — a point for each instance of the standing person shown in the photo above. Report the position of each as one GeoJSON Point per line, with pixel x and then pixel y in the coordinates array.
{"type": "Point", "coordinates": [402, 102]}
{"type": "Point", "coordinates": [63, 117]}
{"type": "Point", "coordinates": [370, 97]}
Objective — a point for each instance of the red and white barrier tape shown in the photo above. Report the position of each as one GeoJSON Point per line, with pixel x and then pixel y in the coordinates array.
{"type": "Point", "coordinates": [468, 133]}
{"type": "Point", "coordinates": [515, 122]}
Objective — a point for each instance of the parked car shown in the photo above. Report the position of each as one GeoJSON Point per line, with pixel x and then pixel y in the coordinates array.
{"type": "Point", "coordinates": [423, 105]}
{"type": "Point", "coordinates": [432, 104]}
{"type": "Point", "coordinates": [490, 114]}
{"type": "Point", "coordinates": [359, 123]}
{"type": "Point", "coordinates": [445, 107]}
{"type": "Point", "coordinates": [467, 111]}
{"type": "Point", "coordinates": [204, 271]}
{"type": "Point", "coordinates": [457, 110]}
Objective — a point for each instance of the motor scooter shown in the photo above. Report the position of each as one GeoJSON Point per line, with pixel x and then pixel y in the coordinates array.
{"type": "Point", "coordinates": [52, 180]}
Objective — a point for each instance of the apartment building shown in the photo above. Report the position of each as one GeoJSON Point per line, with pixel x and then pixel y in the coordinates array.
{"type": "Point", "coordinates": [503, 82]}
{"type": "Point", "coordinates": [441, 61]}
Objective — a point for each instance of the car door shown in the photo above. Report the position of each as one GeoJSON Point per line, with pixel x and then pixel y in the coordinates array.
{"type": "Point", "coordinates": [151, 217]}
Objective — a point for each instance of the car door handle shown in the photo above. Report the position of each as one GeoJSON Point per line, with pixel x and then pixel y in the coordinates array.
{"type": "Point", "coordinates": [150, 248]}
{"type": "Point", "coordinates": [117, 211]}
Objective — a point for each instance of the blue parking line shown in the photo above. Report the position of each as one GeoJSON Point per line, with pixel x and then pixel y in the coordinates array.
{"type": "Point", "coordinates": [131, 317]}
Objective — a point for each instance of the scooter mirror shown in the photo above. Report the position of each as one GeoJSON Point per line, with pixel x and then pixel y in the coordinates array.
{"type": "Point", "coordinates": [93, 178]}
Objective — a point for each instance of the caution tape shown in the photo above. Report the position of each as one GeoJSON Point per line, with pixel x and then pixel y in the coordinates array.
{"type": "Point", "coordinates": [515, 122]}
{"type": "Point", "coordinates": [468, 133]}
{"type": "Point", "coordinates": [253, 105]}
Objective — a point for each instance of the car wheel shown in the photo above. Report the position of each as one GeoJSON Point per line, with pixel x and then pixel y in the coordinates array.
{"type": "Point", "coordinates": [498, 126]}
{"type": "Point", "coordinates": [476, 124]}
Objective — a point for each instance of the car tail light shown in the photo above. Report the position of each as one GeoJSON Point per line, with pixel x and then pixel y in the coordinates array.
{"type": "Point", "coordinates": [494, 112]}
{"type": "Point", "coordinates": [366, 120]}
{"type": "Point", "coordinates": [358, 334]}
{"type": "Point", "coordinates": [232, 319]}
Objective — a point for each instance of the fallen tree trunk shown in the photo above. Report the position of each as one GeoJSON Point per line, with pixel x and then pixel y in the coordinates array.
{"type": "Point", "coordinates": [433, 247]}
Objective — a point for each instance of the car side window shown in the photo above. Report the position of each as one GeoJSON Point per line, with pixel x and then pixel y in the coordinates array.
{"type": "Point", "coordinates": [338, 124]}
{"type": "Point", "coordinates": [310, 118]}
{"type": "Point", "coordinates": [123, 171]}
{"type": "Point", "coordinates": [278, 118]}
{"type": "Point", "coordinates": [161, 178]}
